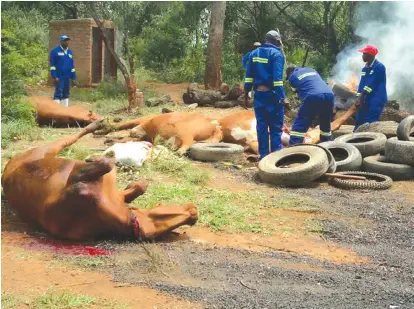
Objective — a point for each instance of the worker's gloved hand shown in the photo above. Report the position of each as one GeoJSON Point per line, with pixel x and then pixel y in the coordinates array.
{"type": "Point", "coordinates": [56, 81]}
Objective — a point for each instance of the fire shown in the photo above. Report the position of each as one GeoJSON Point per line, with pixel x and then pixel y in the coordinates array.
{"type": "Point", "coordinates": [352, 83]}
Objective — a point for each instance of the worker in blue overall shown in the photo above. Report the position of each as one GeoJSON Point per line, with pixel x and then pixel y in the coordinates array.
{"type": "Point", "coordinates": [63, 71]}
{"type": "Point", "coordinates": [246, 58]}
{"type": "Point", "coordinates": [317, 100]}
{"type": "Point", "coordinates": [264, 74]}
{"type": "Point", "coordinates": [246, 55]}
{"type": "Point", "coordinates": [372, 92]}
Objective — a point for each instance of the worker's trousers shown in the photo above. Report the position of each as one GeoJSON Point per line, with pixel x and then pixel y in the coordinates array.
{"type": "Point", "coordinates": [369, 111]}
{"type": "Point", "coordinates": [316, 105]}
{"type": "Point", "coordinates": [62, 89]}
{"type": "Point", "coordinates": [269, 116]}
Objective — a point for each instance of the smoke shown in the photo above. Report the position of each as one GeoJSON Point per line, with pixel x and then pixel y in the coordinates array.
{"type": "Point", "coordinates": [390, 27]}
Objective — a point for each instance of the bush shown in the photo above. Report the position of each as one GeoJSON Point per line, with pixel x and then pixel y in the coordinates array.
{"type": "Point", "coordinates": [24, 50]}
{"type": "Point", "coordinates": [17, 120]}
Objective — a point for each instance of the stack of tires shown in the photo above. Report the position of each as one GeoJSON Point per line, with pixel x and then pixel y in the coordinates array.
{"type": "Point", "coordinates": [398, 159]}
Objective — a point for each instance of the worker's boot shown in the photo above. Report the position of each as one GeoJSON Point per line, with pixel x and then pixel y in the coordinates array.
{"type": "Point", "coordinates": [56, 101]}
{"type": "Point", "coordinates": [65, 102]}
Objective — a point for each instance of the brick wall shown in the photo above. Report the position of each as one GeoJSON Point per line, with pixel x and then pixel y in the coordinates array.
{"type": "Point", "coordinates": [80, 32]}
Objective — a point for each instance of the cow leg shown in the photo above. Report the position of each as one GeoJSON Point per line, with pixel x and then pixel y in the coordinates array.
{"type": "Point", "coordinates": [133, 190]}
{"type": "Point", "coordinates": [55, 147]}
{"type": "Point", "coordinates": [163, 219]}
{"type": "Point", "coordinates": [217, 137]}
{"type": "Point", "coordinates": [184, 143]}
{"type": "Point", "coordinates": [92, 170]}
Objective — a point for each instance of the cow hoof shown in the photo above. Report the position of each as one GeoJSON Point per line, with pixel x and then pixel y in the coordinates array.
{"type": "Point", "coordinates": [95, 125]}
{"type": "Point", "coordinates": [193, 214]}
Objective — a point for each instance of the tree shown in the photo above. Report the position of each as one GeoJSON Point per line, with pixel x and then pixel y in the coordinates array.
{"type": "Point", "coordinates": [129, 79]}
{"type": "Point", "coordinates": [212, 77]}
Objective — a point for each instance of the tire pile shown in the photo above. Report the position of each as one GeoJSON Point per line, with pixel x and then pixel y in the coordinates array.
{"type": "Point", "coordinates": [367, 154]}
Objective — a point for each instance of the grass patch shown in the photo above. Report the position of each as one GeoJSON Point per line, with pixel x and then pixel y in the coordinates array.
{"type": "Point", "coordinates": [75, 152]}
{"type": "Point", "coordinates": [53, 299]}
{"type": "Point", "coordinates": [9, 300]}
{"type": "Point", "coordinates": [84, 262]}
{"type": "Point", "coordinates": [313, 226]}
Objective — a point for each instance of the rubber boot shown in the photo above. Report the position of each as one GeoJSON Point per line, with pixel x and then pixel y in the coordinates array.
{"type": "Point", "coordinates": [65, 102]}
{"type": "Point", "coordinates": [56, 101]}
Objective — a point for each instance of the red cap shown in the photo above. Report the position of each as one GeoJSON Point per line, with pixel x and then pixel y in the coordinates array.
{"type": "Point", "coordinates": [369, 49]}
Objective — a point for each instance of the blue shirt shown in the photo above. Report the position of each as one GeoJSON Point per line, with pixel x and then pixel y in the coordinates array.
{"type": "Point", "coordinates": [373, 82]}
{"type": "Point", "coordinates": [61, 63]}
{"type": "Point", "coordinates": [265, 67]}
{"type": "Point", "coordinates": [307, 82]}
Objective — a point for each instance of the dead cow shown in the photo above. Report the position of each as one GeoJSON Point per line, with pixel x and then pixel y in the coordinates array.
{"type": "Point", "coordinates": [185, 127]}
{"type": "Point", "coordinates": [240, 128]}
{"type": "Point", "coordinates": [51, 113]}
{"type": "Point", "coordinates": [79, 200]}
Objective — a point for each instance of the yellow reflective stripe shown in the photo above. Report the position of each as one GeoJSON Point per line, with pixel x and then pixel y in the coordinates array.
{"type": "Point", "coordinates": [52, 68]}
{"type": "Point", "coordinates": [295, 133]}
{"type": "Point", "coordinates": [278, 83]}
{"type": "Point", "coordinates": [369, 90]}
{"type": "Point", "coordinates": [372, 72]}
{"type": "Point", "coordinates": [363, 73]}
{"type": "Point", "coordinates": [260, 60]}
{"type": "Point", "coordinates": [326, 133]}
{"type": "Point", "coordinates": [358, 94]}
{"type": "Point", "coordinates": [306, 75]}
{"type": "Point", "coordinates": [73, 70]}
{"type": "Point", "coordinates": [248, 80]}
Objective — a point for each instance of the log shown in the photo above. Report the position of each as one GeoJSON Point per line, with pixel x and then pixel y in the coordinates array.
{"type": "Point", "coordinates": [203, 97]}
{"type": "Point", "coordinates": [235, 92]}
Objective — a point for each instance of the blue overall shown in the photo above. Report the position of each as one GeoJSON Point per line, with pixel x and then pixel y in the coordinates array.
{"type": "Point", "coordinates": [265, 68]}
{"type": "Point", "coordinates": [372, 88]}
{"type": "Point", "coordinates": [62, 67]}
{"type": "Point", "coordinates": [317, 100]}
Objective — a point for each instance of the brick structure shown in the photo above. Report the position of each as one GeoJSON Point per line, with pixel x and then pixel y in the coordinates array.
{"type": "Point", "coordinates": [93, 61]}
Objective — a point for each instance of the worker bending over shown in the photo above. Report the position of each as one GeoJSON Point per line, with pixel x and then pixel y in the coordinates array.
{"type": "Point", "coordinates": [62, 69]}
{"type": "Point", "coordinates": [264, 73]}
{"type": "Point", "coordinates": [372, 92]}
{"type": "Point", "coordinates": [317, 100]}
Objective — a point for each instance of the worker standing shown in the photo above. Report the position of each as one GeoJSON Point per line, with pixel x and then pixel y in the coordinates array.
{"type": "Point", "coordinates": [372, 92]}
{"type": "Point", "coordinates": [246, 56]}
{"type": "Point", "coordinates": [264, 73]}
{"type": "Point", "coordinates": [62, 69]}
{"type": "Point", "coordinates": [317, 100]}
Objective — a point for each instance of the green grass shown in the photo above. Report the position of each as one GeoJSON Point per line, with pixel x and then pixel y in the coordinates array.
{"type": "Point", "coordinates": [84, 262]}
{"type": "Point", "coordinates": [75, 152]}
{"type": "Point", "coordinates": [9, 300]}
{"type": "Point", "coordinates": [53, 299]}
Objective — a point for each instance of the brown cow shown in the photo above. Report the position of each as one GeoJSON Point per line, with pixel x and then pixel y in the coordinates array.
{"type": "Point", "coordinates": [79, 200]}
{"type": "Point", "coordinates": [49, 112]}
{"type": "Point", "coordinates": [185, 127]}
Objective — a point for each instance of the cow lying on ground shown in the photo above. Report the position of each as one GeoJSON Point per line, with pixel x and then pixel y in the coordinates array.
{"type": "Point", "coordinates": [51, 113]}
{"type": "Point", "coordinates": [79, 200]}
{"type": "Point", "coordinates": [185, 127]}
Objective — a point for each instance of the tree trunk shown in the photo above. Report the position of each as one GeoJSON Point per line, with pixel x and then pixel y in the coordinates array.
{"type": "Point", "coordinates": [129, 79]}
{"type": "Point", "coordinates": [212, 77]}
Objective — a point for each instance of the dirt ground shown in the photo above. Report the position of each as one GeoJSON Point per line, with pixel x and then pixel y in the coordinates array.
{"type": "Point", "coordinates": [338, 249]}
